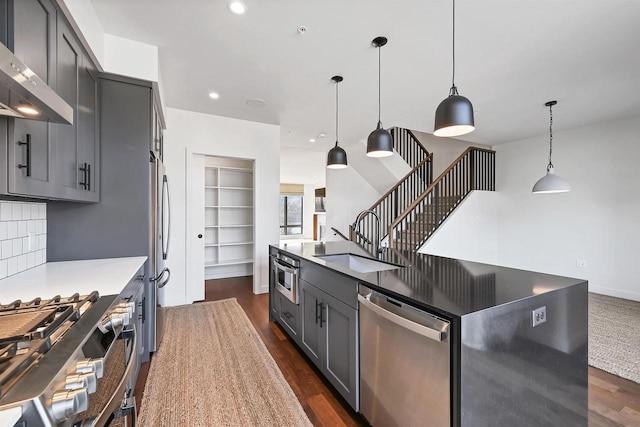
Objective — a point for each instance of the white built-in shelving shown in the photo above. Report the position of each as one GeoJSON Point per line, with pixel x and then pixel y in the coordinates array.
{"type": "Point", "coordinates": [228, 218]}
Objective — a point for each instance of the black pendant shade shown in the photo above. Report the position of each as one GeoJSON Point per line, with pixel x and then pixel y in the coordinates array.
{"type": "Point", "coordinates": [337, 157]}
{"type": "Point", "coordinates": [454, 116]}
{"type": "Point", "coordinates": [380, 142]}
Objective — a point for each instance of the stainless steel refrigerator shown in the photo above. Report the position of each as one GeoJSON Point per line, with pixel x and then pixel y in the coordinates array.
{"type": "Point", "coordinates": [132, 216]}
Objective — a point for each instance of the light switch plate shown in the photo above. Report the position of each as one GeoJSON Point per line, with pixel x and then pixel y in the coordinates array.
{"type": "Point", "coordinates": [539, 316]}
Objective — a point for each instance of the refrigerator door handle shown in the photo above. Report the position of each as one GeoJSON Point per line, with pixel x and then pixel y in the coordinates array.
{"type": "Point", "coordinates": [166, 208]}
{"type": "Point", "coordinates": [160, 276]}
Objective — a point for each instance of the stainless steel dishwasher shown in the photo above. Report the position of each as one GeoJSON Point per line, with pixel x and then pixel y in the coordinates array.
{"type": "Point", "coordinates": [404, 364]}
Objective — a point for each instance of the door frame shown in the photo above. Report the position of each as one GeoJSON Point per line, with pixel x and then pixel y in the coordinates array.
{"type": "Point", "coordinates": [194, 208]}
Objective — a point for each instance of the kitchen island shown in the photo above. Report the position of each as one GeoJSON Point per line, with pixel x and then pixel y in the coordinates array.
{"type": "Point", "coordinates": [503, 369]}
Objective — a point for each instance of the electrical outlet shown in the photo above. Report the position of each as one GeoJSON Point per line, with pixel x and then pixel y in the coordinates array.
{"type": "Point", "coordinates": [539, 316]}
{"type": "Point", "coordinates": [581, 262]}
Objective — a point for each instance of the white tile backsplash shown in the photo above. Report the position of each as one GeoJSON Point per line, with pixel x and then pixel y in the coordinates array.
{"type": "Point", "coordinates": [23, 236]}
{"type": "Point", "coordinates": [6, 249]}
{"type": "Point", "coordinates": [5, 212]}
{"type": "Point", "coordinates": [12, 229]}
{"type": "Point", "coordinates": [3, 269]}
{"type": "Point", "coordinates": [17, 246]}
{"type": "Point", "coordinates": [16, 211]}
{"type": "Point", "coordinates": [12, 266]}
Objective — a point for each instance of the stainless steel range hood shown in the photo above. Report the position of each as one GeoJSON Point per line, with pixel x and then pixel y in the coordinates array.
{"type": "Point", "coordinates": [28, 96]}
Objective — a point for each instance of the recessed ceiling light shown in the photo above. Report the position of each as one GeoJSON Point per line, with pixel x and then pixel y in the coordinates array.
{"type": "Point", "coordinates": [213, 95]}
{"type": "Point", "coordinates": [237, 7]}
{"type": "Point", "coordinates": [312, 140]}
{"type": "Point", "coordinates": [258, 103]}
{"type": "Point", "coordinates": [322, 135]}
{"type": "Point", "coordinates": [28, 110]}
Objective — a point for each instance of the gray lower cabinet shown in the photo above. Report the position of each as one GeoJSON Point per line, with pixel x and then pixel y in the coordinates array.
{"type": "Point", "coordinates": [288, 315]}
{"type": "Point", "coordinates": [311, 331]}
{"type": "Point", "coordinates": [329, 337]}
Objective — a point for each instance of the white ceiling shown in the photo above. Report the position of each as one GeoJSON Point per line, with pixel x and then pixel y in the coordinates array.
{"type": "Point", "coordinates": [512, 56]}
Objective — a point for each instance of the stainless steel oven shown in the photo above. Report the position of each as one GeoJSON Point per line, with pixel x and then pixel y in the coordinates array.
{"type": "Point", "coordinates": [286, 271]}
{"type": "Point", "coordinates": [72, 365]}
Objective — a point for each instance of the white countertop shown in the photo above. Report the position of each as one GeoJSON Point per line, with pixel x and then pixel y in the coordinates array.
{"type": "Point", "coordinates": [107, 276]}
{"type": "Point", "coordinates": [9, 417]}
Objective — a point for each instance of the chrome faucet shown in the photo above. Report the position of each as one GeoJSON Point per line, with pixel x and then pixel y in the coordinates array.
{"type": "Point", "coordinates": [379, 248]}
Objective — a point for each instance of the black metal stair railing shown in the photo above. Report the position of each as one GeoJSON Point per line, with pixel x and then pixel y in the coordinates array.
{"type": "Point", "coordinates": [473, 170]}
{"type": "Point", "coordinates": [393, 203]}
{"type": "Point", "coordinates": [408, 146]}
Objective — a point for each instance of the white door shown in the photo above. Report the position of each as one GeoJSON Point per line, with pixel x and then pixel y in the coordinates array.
{"type": "Point", "coordinates": [194, 288]}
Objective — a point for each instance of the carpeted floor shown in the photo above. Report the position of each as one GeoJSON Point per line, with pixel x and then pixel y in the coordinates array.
{"type": "Point", "coordinates": [614, 335]}
{"type": "Point", "coordinates": [214, 370]}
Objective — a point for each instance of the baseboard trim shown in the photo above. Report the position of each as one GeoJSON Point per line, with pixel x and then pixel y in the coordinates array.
{"type": "Point", "coordinates": [615, 293]}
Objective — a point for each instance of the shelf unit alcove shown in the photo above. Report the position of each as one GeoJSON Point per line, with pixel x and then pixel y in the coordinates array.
{"type": "Point", "coordinates": [228, 217]}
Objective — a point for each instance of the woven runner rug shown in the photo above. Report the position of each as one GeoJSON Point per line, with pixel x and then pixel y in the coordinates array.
{"type": "Point", "coordinates": [213, 369]}
{"type": "Point", "coordinates": [614, 336]}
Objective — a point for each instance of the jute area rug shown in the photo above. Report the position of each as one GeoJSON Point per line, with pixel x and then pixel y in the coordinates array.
{"type": "Point", "coordinates": [213, 369]}
{"type": "Point", "coordinates": [614, 336]}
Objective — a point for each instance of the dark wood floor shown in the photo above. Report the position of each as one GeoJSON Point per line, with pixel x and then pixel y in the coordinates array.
{"type": "Point", "coordinates": [613, 401]}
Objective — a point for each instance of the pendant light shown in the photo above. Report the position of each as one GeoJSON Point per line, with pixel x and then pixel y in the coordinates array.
{"type": "Point", "coordinates": [337, 157]}
{"type": "Point", "coordinates": [379, 143]}
{"type": "Point", "coordinates": [454, 115]}
{"type": "Point", "coordinates": [551, 183]}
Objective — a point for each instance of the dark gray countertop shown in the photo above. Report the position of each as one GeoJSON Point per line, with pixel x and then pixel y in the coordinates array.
{"type": "Point", "coordinates": [449, 286]}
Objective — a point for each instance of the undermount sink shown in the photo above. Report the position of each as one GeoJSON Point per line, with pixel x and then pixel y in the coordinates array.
{"type": "Point", "coordinates": [358, 263]}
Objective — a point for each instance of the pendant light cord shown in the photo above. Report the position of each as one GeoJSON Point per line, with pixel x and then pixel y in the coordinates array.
{"type": "Point", "coordinates": [337, 113]}
{"type": "Point", "coordinates": [550, 136]}
{"type": "Point", "coordinates": [379, 78]}
{"type": "Point", "coordinates": [453, 77]}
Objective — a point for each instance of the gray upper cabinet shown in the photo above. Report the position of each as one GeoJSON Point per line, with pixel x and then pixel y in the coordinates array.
{"type": "Point", "coordinates": [69, 61]}
{"type": "Point", "coordinates": [44, 160]}
{"type": "Point", "coordinates": [77, 149]}
{"type": "Point", "coordinates": [89, 141]}
{"type": "Point", "coordinates": [30, 160]}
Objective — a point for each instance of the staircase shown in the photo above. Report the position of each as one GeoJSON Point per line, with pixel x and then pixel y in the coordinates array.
{"type": "Point", "coordinates": [417, 205]}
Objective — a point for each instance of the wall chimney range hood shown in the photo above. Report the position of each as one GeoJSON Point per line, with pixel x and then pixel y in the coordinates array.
{"type": "Point", "coordinates": [28, 96]}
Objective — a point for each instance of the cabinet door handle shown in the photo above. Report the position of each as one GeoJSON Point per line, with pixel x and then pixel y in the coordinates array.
{"type": "Point", "coordinates": [318, 316]}
{"type": "Point", "coordinates": [83, 169]}
{"type": "Point", "coordinates": [88, 177]}
{"type": "Point", "coordinates": [321, 317]}
{"type": "Point", "coordinates": [28, 145]}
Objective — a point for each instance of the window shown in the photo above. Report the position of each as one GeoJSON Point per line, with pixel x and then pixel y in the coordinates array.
{"type": "Point", "coordinates": [290, 215]}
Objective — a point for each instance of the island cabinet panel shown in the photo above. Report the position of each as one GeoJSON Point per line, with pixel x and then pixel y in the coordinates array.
{"type": "Point", "coordinates": [329, 338]}
{"type": "Point", "coordinates": [289, 317]}
{"type": "Point", "coordinates": [335, 284]}
{"type": "Point", "coordinates": [310, 301]}
{"type": "Point", "coordinates": [340, 352]}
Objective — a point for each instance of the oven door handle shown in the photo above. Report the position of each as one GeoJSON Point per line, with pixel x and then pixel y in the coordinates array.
{"type": "Point", "coordinates": [115, 401]}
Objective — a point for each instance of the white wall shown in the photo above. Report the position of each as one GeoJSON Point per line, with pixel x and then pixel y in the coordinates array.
{"type": "Point", "coordinates": [309, 206]}
{"type": "Point", "coordinates": [347, 194]}
{"type": "Point", "coordinates": [445, 150]}
{"type": "Point", "coordinates": [471, 232]}
{"type": "Point", "coordinates": [85, 16]}
{"type": "Point", "coordinates": [190, 132]}
{"type": "Point", "coordinates": [130, 58]}
{"type": "Point", "coordinates": [597, 221]}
